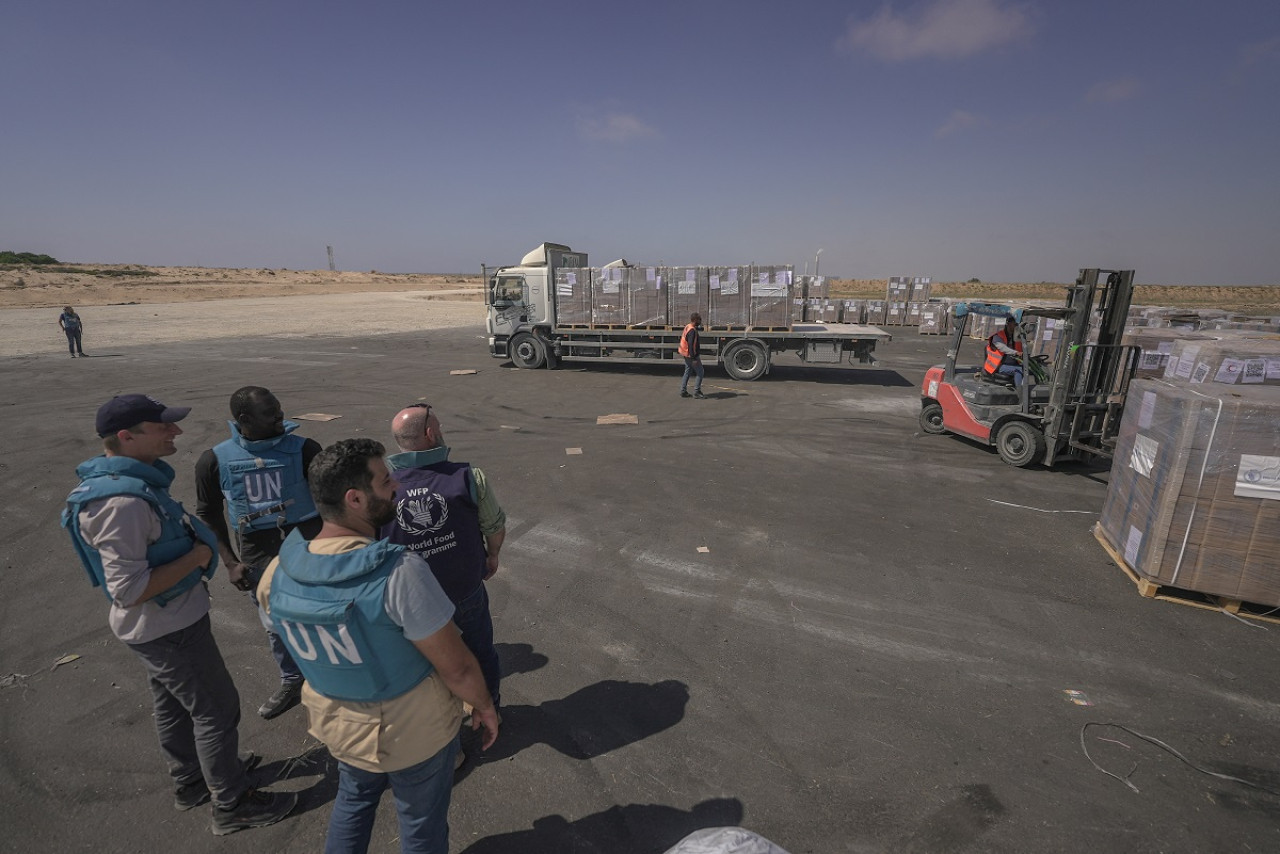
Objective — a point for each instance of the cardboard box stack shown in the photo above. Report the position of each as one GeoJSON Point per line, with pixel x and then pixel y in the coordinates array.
{"type": "Point", "coordinates": [646, 297]}
{"type": "Point", "coordinates": [609, 299]}
{"type": "Point", "coordinates": [874, 312]}
{"type": "Point", "coordinates": [686, 293]}
{"type": "Point", "coordinates": [573, 295]}
{"type": "Point", "coordinates": [853, 310]}
{"type": "Point", "coordinates": [920, 289]}
{"type": "Point", "coordinates": [1194, 498]}
{"type": "Point", "coordinates": [1225, 361]}
{"type": "Point", "coordinates": [727, 296]}
{"type": "Point", "coordinates": [1157, 344]}
{"type": "Point", "coordinates": [770, 296]}
{"type": "Point", "coordinates": [935, 318]}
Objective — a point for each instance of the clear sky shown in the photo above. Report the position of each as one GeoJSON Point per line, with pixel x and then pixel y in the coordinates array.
{"type": "Point", "coordinates": [1009, 141]}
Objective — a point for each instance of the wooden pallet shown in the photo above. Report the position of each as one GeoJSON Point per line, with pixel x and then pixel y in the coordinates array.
{"type": "Point", "coordinates": [727, 328]}
{"type": "Point", "coordinates": [1155, 590]}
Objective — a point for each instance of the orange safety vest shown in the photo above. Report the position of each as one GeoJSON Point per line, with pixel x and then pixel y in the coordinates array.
{"type": "Point", "coordinates": [684, 349]}
{"type": "Point", "coordinates": [994, 357]}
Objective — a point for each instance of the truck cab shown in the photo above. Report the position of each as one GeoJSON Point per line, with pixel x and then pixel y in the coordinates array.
{"type": "Point", "coordinates": [521, 306]}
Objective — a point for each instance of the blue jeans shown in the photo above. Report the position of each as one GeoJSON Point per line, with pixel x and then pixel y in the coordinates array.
{"type": "Point", "coordinates": [1016, 370]}
{"type": "Point", "coordinates": [474, 621]}
{"type": "Point", "coordinates": [73, 341]}
{"type": "Point", "coordinates": [422, 805]}
{"type": "Point", "coordinates": [692, 366]}
{"type": "Point", "coordinates": [289, 671]}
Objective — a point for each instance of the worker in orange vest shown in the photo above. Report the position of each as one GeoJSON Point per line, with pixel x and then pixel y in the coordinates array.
{"type": "Point", "coordinates": [1004, 352]}
{"type": "Point", "coordinates": [690, 349]}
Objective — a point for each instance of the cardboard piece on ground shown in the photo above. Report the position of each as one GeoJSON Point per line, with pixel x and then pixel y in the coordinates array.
{"type": "Point", "coordinates": [463, 372]}
{"type": "Point", "coordinates": [507, 427]}
{"type": "Point", "coordinates": [618, 418]}
{"type": "Point", "coordinates": [571, 451]}
{"type": "Point", "coordinates": [703, 550]}
{"type": "Point", "coordinates": [316, 416]}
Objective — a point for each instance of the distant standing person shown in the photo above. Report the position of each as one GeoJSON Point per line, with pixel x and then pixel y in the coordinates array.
{"type": "Point", "coordinates": [261, 474]}
{"type": "Point", "coordinates": [73, 326]}
{"type": "Point", "coordinates": [446, 512]}
{"type": "Point", "coordinates": [151, 560]}
{"type": "Point", "coordinates": [691, 349]}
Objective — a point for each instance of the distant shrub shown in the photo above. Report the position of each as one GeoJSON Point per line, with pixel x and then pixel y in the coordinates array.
{"type": "Point", "coordinates": [974, 282]}
{"type": "Point", "coordinates": [7, 257]}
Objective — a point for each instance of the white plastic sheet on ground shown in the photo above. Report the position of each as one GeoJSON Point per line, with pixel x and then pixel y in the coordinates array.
{"type": "Point", "coordinates": [724, 840]}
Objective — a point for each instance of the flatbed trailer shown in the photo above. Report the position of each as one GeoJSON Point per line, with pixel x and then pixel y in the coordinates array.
{"type": "Point", "coordinates": [521, 322]}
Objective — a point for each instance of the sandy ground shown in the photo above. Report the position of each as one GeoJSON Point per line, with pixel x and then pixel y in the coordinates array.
{"type": "Point", "coordinates": [34, 331]}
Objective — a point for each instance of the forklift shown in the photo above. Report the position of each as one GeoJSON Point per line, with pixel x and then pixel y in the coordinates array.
{"type": "Point", "coordinates": [1069, 405]}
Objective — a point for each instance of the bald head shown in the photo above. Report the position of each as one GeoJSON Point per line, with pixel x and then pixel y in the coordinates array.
{"type": "Point", "coordinates": [416, 428]}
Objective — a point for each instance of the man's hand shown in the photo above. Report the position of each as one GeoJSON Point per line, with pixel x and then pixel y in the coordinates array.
{"type": "Point", "coordinates": [490, 566]}
{"type": "Point", "coordinates": [487, 718]}
{"type": "Point", "coordinates": [239, 576]}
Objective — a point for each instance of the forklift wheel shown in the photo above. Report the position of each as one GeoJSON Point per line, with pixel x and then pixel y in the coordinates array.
{"type": "Point", "coordinates": [931, 419]}
{"type": "Point", "coordinates": [1020, 444]}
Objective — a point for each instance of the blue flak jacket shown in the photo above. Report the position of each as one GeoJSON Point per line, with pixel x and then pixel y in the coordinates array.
{"type": "Point", "coordinates": [329, 611]}
{"type": "Point", "coordinates": [263, 480]}
{"type": "Point", "coordinates": [107, 477]}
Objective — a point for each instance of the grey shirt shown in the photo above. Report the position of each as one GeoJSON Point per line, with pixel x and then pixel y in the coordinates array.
{"type": "Point", "coordinates": [121, 528]}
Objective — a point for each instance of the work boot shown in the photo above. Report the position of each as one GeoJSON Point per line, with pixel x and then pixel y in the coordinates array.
{"type": "Point", "coordinates": [288, 695]}
{"type": "Point", "coordinates": [684, 393]}
{"type": "Point", "coordinates": [699, 395]}
{"type": "Point", "coordinates": [191, 795]}
{"type": "Point", "coordinates": [256, 808]}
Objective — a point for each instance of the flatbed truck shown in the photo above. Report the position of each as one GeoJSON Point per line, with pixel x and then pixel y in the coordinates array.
{"type": "Point", "coordinates": [521, 321]}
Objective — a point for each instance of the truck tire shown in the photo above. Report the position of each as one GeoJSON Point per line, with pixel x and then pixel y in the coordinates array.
{"type": "Point", "coordinates": [1020, 443]}
{"type": "Point", "coordinates": [526, 351]}
{"type": "Point", "coordinates": [931, 418]}
{"type": "Point", "coordinates": [745, 360]}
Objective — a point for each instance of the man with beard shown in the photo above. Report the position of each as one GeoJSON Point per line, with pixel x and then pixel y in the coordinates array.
{"type": "Point", "coordinates": [384, 664]}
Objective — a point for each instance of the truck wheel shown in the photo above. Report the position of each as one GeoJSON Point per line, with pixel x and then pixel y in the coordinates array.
{"type": "Point", "coordinates": [526, 351]}
{"type": "Point", "coordinates": [746, 361]}
{"type": "Point", "coordinates": [931, 418]}
{"type": "Point", "coordinates": [1020, 444]}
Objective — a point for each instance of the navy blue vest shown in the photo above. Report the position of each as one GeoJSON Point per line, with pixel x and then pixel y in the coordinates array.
{"type": "Point", "coordinates": [437, 519]}
{"type": "Point", "coordinates": [263, 480]}
{"type": "Point", "coordinates": [106, 477]}
{"type": "Point", "coordinates": [329, 611]}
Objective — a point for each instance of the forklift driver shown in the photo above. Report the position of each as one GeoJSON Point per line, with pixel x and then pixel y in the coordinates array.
{"type": "Point", "coordinates": [1004, 352]}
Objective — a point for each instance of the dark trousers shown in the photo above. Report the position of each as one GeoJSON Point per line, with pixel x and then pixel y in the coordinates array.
{"type": "Point", "coordinates": [73, 341]}
{"type": "Point", "coordinates": [474, 621]}
{"type": "Point", "coordinates": [691, 367]}
{"type": "Point", "coordinates": [197, 710]}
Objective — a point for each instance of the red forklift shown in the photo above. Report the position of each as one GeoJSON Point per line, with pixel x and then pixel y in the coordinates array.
{"type": "Point", "coordinates": [1069, 405]}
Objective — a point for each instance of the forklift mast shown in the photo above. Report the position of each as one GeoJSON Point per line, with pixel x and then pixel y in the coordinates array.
{"type": "Point", "coordinates": [1091, 379]}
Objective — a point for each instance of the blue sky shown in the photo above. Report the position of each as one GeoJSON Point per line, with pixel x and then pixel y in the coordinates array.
{"type": "Point", "coordinates": [1009, 141]}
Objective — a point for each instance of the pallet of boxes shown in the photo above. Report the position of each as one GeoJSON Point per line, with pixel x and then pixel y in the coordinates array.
{"type": "Point", "coordinates": [1193, 508]}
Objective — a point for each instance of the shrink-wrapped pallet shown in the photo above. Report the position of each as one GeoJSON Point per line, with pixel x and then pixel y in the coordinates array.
{"type": "Point", "coordinates": [727, 290]}
{"type": "Point", "coordinates": [1156, 344]}
{"type": "Point", "coordinates": [921, 286]}
{"type": "Point", "coordinates": [874, 312]}
{"type": "Point", "coordinates": [573, 295]}
{"type": "Point", "coordinates": [933, 318]}
{"type": "Point", "coordinates": [1194, 497]}
{"type": "Point", "coordinates": [913, 313]}
{"type": "Point", "coordinates": [610, 302]}
{"type": "Point", "coordinates": [646, 296]}
{"type": "Point", "coordinates": [687, 294]}
{"type": "Point", "coordinates": [1226, 361]}
{"type": "Point", "coordinates": [853, 311]}
{"type": "Point", "coordinates": [899, 289]}
{"type": "Point", "coordinates": [895, 314]}
{"type": "Point", "coordinates": [770, 296]}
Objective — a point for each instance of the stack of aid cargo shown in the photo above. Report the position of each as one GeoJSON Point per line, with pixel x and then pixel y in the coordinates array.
{"type": "Point", "coordinates": [1194, 498]}
{"type": "Point", "coordinates": [917, 299]}
{"type": "Point", "coordinates": [769, 305]}
{"type": "Point", "coordinates": [610, 300]}
{"type": "Point", "coordinates": [687, 293]}
{"type": "Point", "coordinates": [1156, 343]}
{"type": "Point", "coordinates": [646, 296]}
{"type": "Point", "coordinates": [896, 303]}
{"type": "Point", "coordinates": [727, 296]}
{"type": "Point", "coordinates": [853, 310]}
{"type": "Point", "coordinates": [935, 318]}
{"type": "Point", "coordinates": [874, 312]}
{"type": "Point", "coordinates": [573, 295]}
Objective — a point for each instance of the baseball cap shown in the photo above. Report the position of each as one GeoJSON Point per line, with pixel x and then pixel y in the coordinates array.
{"type": "Point", "coordinates": [125, 410]}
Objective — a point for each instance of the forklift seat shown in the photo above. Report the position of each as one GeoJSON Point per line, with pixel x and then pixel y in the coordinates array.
{"type": "Point", "coordinates": [1005, 380]}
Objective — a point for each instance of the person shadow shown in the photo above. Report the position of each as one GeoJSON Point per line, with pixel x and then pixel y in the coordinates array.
{"type": "Point", "coordinates": [315, 761]}
{"type": "Point", "coordinates": [627, 829]}
{"type": "Point", "coordinates": [590, 722]}
{"type": "Point", "coordinates": [519, 658]}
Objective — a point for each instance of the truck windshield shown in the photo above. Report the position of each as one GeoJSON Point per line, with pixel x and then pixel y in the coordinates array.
{"type": "Point", "coordinates": [508, 289]}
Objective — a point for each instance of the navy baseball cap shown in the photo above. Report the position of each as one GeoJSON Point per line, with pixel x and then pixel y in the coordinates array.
{"type": "Point", "coordinates": [126, 410]}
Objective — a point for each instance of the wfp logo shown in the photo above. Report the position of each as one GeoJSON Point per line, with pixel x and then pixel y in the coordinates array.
{"type": "Point", "coordinates": [423, 514]}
